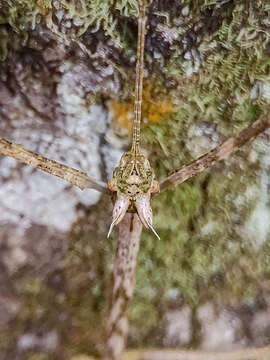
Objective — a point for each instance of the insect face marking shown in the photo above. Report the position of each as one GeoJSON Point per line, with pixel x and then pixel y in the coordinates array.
{"type": "Point", "coordinates": [133, 181]}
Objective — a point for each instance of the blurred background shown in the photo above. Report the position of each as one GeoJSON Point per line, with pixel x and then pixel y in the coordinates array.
{"type": "Point", "coordinates": [67, 75]}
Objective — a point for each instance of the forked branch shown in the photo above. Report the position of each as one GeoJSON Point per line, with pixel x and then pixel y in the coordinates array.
{"type": "Point", "coordinates": [219, 153]}
{"type": "Point", "coordinates": [124, 278]}
{"type": "Point", "coordinates": [67, 173]}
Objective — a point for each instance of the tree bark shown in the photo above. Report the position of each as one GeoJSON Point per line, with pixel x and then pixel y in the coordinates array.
{"type": "Point", "coordinates": [124, 279]}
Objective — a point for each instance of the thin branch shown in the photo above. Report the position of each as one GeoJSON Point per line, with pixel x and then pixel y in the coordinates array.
{"type": "Point", "coordinates": [243, 354]}
{"type": "Point", "coordinates": [217, 154]}
{"type": "Point", "coordinates": [124, 279]}
{"type": "Point", "coordinates": [73, 176]}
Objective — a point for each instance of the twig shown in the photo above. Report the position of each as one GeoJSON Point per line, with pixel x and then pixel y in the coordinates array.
{"type": "Point", "coordinates": [243, 354]}
{"type": "Point", "coordinates": [217, 154]}
{"type": "Point", "coordinates": [73, 176]}
{"type": "Point", "coordinates": [124, 278]}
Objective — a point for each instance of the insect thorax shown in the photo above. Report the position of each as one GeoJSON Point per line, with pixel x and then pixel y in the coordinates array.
{"type": "Point", "coordinates": [134, 175]}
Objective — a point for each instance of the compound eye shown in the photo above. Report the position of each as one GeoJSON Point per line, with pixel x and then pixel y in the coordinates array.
{"type": "Point", "coordinates": [112, 185]}
{"type": "Point", "coordinates": [155, 187]}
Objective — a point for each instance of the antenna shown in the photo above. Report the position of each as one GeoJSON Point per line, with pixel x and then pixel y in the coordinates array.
{"type": "Point", "coordinates": [139, 79]}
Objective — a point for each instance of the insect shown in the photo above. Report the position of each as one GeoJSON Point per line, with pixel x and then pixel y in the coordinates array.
{"type": "Point", "coordinates": [133, 180]}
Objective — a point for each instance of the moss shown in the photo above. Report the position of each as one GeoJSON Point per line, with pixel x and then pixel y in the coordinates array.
{"type": "Point", "coordinates": [17, 19]}
{"type": "Point", "coordinates": [22, 16]}
{"type": "Point", "coordinates": [232, 60]}
{"type": "Point", "coordinates": [98, 14]}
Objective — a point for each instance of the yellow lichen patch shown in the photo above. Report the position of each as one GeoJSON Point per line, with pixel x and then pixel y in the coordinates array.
{"type": "Point", "coordinates": [122, 114]}
{"type": "Point", "coordinates": [158, 110]}
{"type": "Point", "coordinates": [44, 6]}
{"type": "Point", "coordinates": [155, 108]}
{"type": "Point", "coordinates": [155, 105]}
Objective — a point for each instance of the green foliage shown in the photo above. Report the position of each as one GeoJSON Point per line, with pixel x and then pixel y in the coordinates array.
{"type": "Point", "coordinates": [219, 82]}
{"type": "Point", "coordinates": [236, 58]}
{"type": "Point", "coordinates": [22, 16]}
{"type": "Point", "coordinates": [98, 14]}
{"type": "Point", "coordinates": [17, 19]}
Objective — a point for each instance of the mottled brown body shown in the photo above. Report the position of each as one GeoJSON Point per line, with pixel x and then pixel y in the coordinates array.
{"type": "Point", "coordinates": [134, 180]}
{"type": "Point", "coordinates": [133, 177]}
{"type": "Point", "coordinates": [124, 279]}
